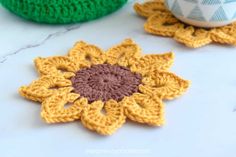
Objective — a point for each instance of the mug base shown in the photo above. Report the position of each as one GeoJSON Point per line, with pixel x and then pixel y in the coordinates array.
{"type": "Point", "coordinates": [204, 24]}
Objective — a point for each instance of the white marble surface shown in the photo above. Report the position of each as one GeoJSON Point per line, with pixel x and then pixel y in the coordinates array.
{"type": "Point", "coordinates": [202, 123]}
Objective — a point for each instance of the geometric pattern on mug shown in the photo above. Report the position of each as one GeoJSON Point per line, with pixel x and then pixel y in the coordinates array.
{"type": "Point", "coordinates": [196, 12]}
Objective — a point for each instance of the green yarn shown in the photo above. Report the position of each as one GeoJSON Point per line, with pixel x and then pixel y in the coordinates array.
{"type": "Point", "coordinates": [62, 11]}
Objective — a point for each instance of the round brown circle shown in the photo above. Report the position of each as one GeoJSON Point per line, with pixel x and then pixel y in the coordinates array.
{"type": "Point", "coordinates": [105, 82]}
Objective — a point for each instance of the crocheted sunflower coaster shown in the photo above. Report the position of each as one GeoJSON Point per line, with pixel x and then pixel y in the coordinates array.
{"type": "Point", "coordinates": [58, 11]}
{"type": "Point", "coordinates": [120, 81]}
{"type": "Point", "coordinates": [161, 22]}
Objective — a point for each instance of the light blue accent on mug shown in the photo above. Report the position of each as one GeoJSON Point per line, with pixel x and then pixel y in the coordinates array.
{"type": "Point", "coordinates": [176, 9]}
{"type": "Point", "coordinates": [219, 15]}
{"type": "Point", "coordinates": [196, 14]}
{"type": "Point", "coordinates": [229, 1]}
{"type": "Point", "coordinates": [234, 17]}
{"type": "Point", "coordinates": [204, 13]}
{"type": "Point", "coordinates": [210, 2]}
{"type": "Point", "coordinates": [168, 3]}
{"type": "Point", "coordinates": [192, 1]}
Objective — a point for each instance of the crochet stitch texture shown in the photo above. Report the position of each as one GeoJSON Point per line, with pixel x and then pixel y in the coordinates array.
{"type": "Point", "coordinates": [121, 81]}
{"type": "Point", "coordinates": [162, 23]}
{"type": "Point", "coordinates": [62, 11]}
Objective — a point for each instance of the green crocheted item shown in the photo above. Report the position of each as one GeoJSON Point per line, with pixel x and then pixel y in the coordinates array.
{"type": "Point", "coordinates": [62, 11]}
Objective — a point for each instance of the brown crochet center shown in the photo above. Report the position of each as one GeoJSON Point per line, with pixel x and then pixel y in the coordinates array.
{"type": "Point", "coordinates": [105, 82]}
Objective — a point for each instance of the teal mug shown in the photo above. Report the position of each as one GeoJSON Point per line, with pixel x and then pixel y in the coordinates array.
{"type": "Point", "coordinates": [203, 13]}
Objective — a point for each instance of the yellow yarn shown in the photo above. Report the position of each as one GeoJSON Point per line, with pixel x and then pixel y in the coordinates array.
{"type": "Point", "coordinates": [162, 23]}
{"type": "Point", "coordinates": [54, 87]}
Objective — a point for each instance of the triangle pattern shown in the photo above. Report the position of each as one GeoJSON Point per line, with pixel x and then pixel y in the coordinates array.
{"type": "Point", "coordinates": [192, 1]}
{"type": "Point", "coordinates": [210, 2]}
{"type": "Point", "coordinates": [210, 11]}
{"type": "Point", "coordinates": [229, 1]}
{"type": "Point", "coordinates": [196, 14]}
{"type": "Point", "coordinates": [186, 10]}
{"type": "Point", "coordinates": [229, 10]}
{"type": "Point", "coordinates": [176, 9]}
{"type": "Point", "coordinates": [219, 15]}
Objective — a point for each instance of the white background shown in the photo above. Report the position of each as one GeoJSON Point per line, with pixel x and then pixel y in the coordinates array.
{"type": "Point", "coordinates": [202, 123]}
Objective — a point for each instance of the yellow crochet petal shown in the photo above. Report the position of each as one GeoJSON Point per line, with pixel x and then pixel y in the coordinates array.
{"type": "Point", "coordinates": [163, 24]}
{"type": "Point", "coordinates": [86, 54]}
{"type": "Point", "coordinates": [193, 37]}
{"type": "Point", "coordinates": [103, 123]}
{"type": "Point", "coordinates": [150, 63]}
{"type": "Point", "coordinates": [123, 54]}
{"type": "Point", "coordinates": [44, 87]}
{"type": "Point", "coordinates": [164, 85]}
{"type": "Point", "coordinates": [54, 108]}
{"type": "Point", "coordinates": [149, 8]}
{"type": "Point", "coordinates": [58, 65]}
{"type": "Point", "coordinates": [144, 109]}
{"type": "Point", "coordinates": [225, 35]}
